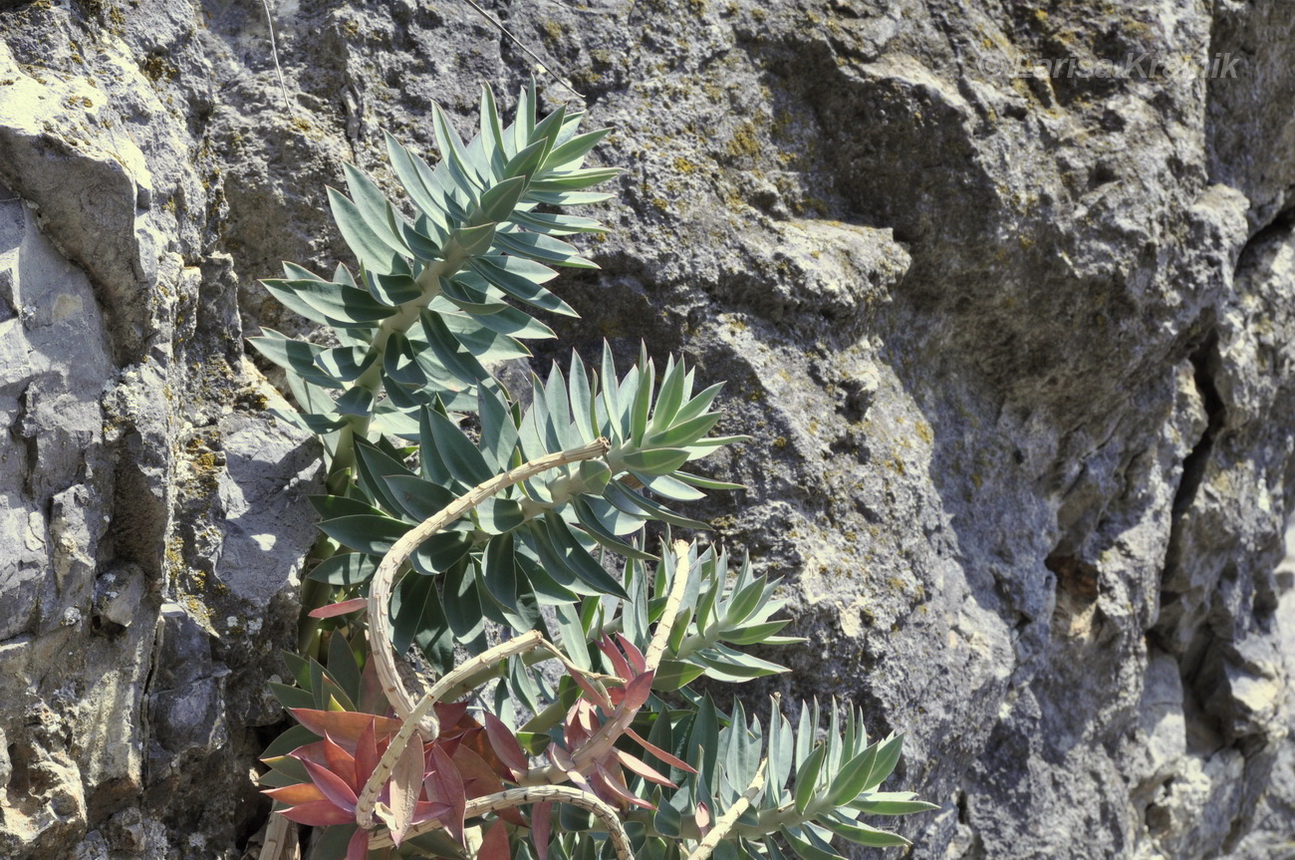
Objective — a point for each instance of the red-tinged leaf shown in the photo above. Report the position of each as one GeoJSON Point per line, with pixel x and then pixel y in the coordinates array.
{"type": "Point", "coordinates": [505, 745]}
{"type": "Point", "coordinates": [636, 659]}
{"type": "Point", "coordinates": [478, 740]}
{"type": "Point", "coordinates": [585, 719]}
{"type": "Point", "coordinates": [540, 829]}
{"type": "Point", "coordinates": [339, 761]}
{"type": "Point", "coordinates": [702, 816]}
{"type": "Point", "coordinates": [366, 755]}
{"type": "Point", "coordinates": [479, 778]}
{"type": "Point", "coordinates": [406, 785]}
{"type": "Point", "coordinates": [562, 760]}
{"type": "Point", "coordinates": [294, 795]}
{"type": "Point", "coordinates": [344, 727]}
{"type": "Point", "coordinates": [358, 847]}
{"type": "Point", "coordinates": [454, 718]}
{"type": "Point", "coordinates": [494, 845]}
{"type": "Point", "coordinates": [593, 692]}
{"type": "Point", "coordinates": [444, 784]}
{"type": "Point", "coordinates": [672, 760]}
{"type": "Point", "coordinates": [612, 780]}
{"type": "Point", "coordinates": [372, 699]}
{"type": "Point", "coordinates": [642, 768]}
{"type": "Point", "coordinates": [426, 810]}
{"type": "Point", "coordinates": [332, 785]}
{"type": "Point", "coordinates": [333, 610]}
{"type": "Point", "coordinates": [637, 692]}
{"type": "Point", "coordinates": [609, 648]}
{"type": "Point", "coordinates": [318, 813]}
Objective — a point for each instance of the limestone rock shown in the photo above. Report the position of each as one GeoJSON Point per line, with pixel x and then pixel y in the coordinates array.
{"type": "Point", "coordinates": [1012, 342]}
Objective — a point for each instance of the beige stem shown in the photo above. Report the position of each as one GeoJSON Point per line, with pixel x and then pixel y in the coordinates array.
{"type": "Point", "coordinates": [521, 796]}
{"type": "Point", "coordinates": [369, 793]}
{"type": "Point", "coordinates": [417, 713]}
{"type": "Point", "coordinates": [384, 580]}
{"type": "Point", "coordinates": [602, 740]}
{"type": "Point", "coordinates": [661, 636]}
{"type": "Point", "coordinates": [280, 840]}
{"type": "Point", "coordinates": [730, 816]}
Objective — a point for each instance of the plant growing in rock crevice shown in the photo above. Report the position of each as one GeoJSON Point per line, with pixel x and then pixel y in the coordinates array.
{"type": "Point", "coordinates": [474, 680]}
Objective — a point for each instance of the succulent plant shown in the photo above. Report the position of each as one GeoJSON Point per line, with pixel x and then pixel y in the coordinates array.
{"type": "Point", "coordinates": [504, 546]}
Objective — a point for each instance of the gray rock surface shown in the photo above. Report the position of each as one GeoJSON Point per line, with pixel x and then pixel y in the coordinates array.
{"type": "Point", "coordinates": [1014, 348]}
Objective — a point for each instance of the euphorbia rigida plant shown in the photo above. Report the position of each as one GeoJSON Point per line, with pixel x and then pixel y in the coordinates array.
{"type": "Point", "coordinates": [497, 661]}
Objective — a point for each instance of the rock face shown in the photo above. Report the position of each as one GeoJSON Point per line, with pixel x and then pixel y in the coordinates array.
{"type": "Point", "coordinates": [1016, 348]}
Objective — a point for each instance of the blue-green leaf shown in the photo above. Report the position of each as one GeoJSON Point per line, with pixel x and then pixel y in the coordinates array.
{"type": "Point", "coordinates": [537, 246]}
{"type": "Point", "coordinates": [862, 834]}
{"type": "Point", "coordinates": [453, 156]}
{"type": "Point", "coordinates": [403, 164]}
{"type": "Point", "coordinates": [890, 803]}
{"type": "Point", "coordinates": [526, 161]}
{"type": "Point", "coordinates": [393, 289]}
{"type": "Point", "coordinates": [457, 452]}
{"type": "Point", "coordinates": [293, 355]}
{"type": "Point", "coordinates": [345, 569]}
{"type": "Point", "coordinates": [345, 363]}
{"type": "Point", "coordinates": [800, 842]}
{"type": "Point", "coordinates": [807, 778]}
{"type": "Point", "coordinates": [418, 618]}
{"type": "Point", "coordinates": [521, 279]}
{"type": "Point", "coordinates": [471, 241]}
{"type": "Point", "coordinates": [593, 524]}
{"type": "Point", "coordinates": [575, 557]}
{"type": "Point", "coordinates": [556, 225]}
{"type": "Point", "coordinates": [332, 304]}
{"type": "Point", "coordinates": [655, 461]}
{"type": "Point", "coordinates": [498, 201]}
{"type": "Point", "coordinates": [373, 468]}
{"type": "Point", "coordinates": [569, 155]}
{"type": "Point", "coordinates": [497, 515]}
{"type": "Point", "coordinates": [507, 584]}
{"type": "Point", "coordinates": [453, 355]}
{"type": "Point", "coordinates": [462, 602]}
{"type": "Point", "coordinates": [573, 180]}
{"type": "Point", "coordinates": [441, 551]}
{"type": "Point", "coordinates": [365, 533]}
{"type": "Point", "coordinates": [372, 205]}
{"type": "Point", "coordinates": [356, 401]}
{"type": "Point", "coordinates": [418, 499]}
{"type": "Point", "coordinates": [632, 503]}
{"type": "Point", "coordinates": [371, 250]}
{"type": "Point", "coordinates": [400, 362]}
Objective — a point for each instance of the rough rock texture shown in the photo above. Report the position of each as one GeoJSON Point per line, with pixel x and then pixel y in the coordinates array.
{"type": "Point", "coordinates": [1017, 354]}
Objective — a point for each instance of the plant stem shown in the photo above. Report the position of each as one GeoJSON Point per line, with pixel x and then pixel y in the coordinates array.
{"type": "Point", "coordinates": [730, 816]}
{"type": "Point", "coordinates": [521, 796]}
{"type": "Point", "coordinates": [384, 580]}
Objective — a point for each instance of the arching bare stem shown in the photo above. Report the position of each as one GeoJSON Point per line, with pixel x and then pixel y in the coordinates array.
{"type": "Point", "coordinates": [730, 816]}
{"type": "Point", "coordinates": [384, 580]}
{"type": "Point", "coordinates": [533, 794]}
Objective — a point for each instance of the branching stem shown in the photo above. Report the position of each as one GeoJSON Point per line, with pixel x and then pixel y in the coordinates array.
{"type": "Point", "coordinates": [411, 710]}
{"type": "Point", "coordinates": [730, 816]}
{"type": "Point", "coordinates": [522, 796]}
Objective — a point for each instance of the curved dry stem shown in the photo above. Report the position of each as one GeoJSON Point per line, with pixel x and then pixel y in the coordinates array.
{"type": "Point", "coordinates": [661, 636]}
{"type": "Point", "coordinates": [368, 796]}
{"type": "Point", "coordinates": [384, 580]}
{"type": "Point", "coordinates": [522, 796]}
{"type": "Point", "coordinates": [730, 816]}
{"type": "Point", "coordinates": [417, 714]}
{"type": "Point", "coordinates": [280, 840]}
{"type": "Point", "coordinates": [602, 740]}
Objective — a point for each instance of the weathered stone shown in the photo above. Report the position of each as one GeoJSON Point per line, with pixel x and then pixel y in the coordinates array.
{"type": "Point", "coordinates": [1013, 347]}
